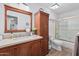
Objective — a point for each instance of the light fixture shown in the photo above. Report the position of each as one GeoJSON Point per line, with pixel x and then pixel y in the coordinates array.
{"type": "Point", "coordinates": [55, 6]}
{"type": "Point", "coordinates": [24, 6]}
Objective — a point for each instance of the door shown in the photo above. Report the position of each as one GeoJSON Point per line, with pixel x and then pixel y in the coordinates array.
{"type": "Point", "coordinates": [25, 49]}
{"type": "Point", "coordinates": [44, 46]}
{"type": "Point", "coordinates": [44, 25]}
{"type": "Point", "coordinates": [36, 50]}
{"type": "Point", "coordinates": [15, 50]}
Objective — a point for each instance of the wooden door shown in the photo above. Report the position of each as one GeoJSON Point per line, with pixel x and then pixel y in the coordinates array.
{"type": "Point", "coordinates": [15, 50]}
{"type": "Point", "coordinates": [44, 24]}
{"type": "Point", "coordinates": [36, 50]}
{"type": "Point", "coordinates": [44, 46]}
{"type": "Point", "coordinates": [25, 49]}
{"type": "Point", "coordinates": [37, 22]}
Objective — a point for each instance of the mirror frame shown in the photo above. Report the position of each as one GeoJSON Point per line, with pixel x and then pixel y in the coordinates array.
{"type": "Point", "coordinates": [19, 11]}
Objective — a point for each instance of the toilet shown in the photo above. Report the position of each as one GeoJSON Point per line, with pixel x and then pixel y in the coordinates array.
{"type": "Point", "coordinates": [56, 44]}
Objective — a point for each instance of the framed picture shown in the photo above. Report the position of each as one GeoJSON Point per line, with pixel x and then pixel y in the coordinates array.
{"type": "Point", "coordinates": [12, 22]}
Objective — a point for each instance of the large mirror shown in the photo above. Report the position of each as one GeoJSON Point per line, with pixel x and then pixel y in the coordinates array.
{"type": "Point", "coordinates": [17, 20]}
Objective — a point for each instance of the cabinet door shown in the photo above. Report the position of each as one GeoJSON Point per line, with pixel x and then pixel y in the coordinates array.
{"type": "Point", "coordinates": [15, 50]}
{"type": "Point", "coordinates": [5, 52]}
{"type": "Point", "coordinates": [25, 49]}
{"type": "Point", "coordinates": [36, 50]}
{"type": "Point", "coordinates": [44, 46]}
{"type": "Point", "coordinates": [44, 25]}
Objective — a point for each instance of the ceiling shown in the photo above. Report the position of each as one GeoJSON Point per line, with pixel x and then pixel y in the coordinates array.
{"type": "Point", "coordinates": [64, 7]}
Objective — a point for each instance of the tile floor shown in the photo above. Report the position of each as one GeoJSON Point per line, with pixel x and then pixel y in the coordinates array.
{"type": "Point", "coordinates": [64, 52]}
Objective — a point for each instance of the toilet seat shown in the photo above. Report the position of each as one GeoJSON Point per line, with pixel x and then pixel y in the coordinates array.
{"type": "Point", "coordinates": [56, 44]}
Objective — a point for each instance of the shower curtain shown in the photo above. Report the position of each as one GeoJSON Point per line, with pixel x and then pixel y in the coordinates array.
{"type": "Point", "coordinates": [68, 29]}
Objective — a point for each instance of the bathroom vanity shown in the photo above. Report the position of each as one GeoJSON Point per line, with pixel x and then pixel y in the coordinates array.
{"type": "Point", "coordinates": [18, 43]}
{"type": "Point", "coordinates": [24, 46]}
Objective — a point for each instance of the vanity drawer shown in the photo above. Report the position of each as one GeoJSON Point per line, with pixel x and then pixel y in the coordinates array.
{"type": "Point", "coordinates": [5, 52]}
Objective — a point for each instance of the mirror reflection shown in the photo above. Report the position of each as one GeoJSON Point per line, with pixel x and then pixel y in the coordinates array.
{"type": "Point", "coordinates": [17, 21]}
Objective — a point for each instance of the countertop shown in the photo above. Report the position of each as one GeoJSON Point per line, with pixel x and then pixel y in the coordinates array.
{"type": "Point", "coordinates": [19, 40]}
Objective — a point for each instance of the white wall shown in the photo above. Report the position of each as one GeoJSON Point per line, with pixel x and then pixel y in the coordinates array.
{"type": "Point", "coordinates": [2, 18]}
{"type": "Point", "coordinates": [51, 28]}
{"type": "Point", "coordinates": [69, 14]}
{"type": "Point", "coordinates": [52, 23]}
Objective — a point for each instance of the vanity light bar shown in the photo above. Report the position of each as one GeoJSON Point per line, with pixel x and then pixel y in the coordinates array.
{"type": "Point", "coordinates": [55, 6]}
{"type": "Point", "coordinates": [25, 4]}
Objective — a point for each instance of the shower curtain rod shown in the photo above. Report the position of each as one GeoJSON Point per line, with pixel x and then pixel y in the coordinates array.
{"type": "Point", "coordinates": [70, 17]}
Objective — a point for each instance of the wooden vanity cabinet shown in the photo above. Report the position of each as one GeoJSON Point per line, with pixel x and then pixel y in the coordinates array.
{"type": "Point", "coordinates": [25, 49]}
{"type": "Point", "coordinates": [33, 48]}
{"type": "Point", "coordinates": [5, 52]}
{"type": "Point", "coordinates": [14, 50]}
{"type": "Point", "coordinates": [10, 51]}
